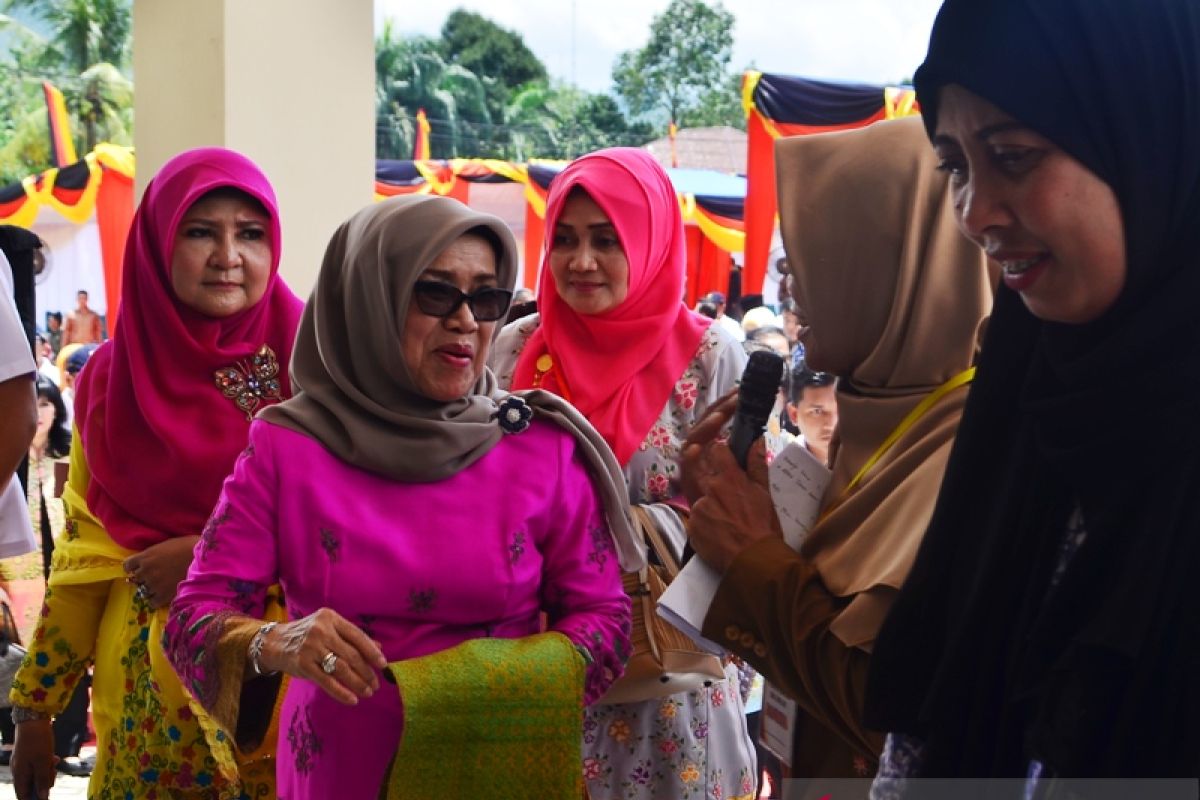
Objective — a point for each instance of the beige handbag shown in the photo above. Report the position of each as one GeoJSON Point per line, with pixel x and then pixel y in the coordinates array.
{"type": "Point", "coordinates": [665, 660]}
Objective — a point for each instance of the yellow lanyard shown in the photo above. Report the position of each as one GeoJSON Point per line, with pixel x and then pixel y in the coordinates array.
{"type": "Point", "coordinates": [961, 379]}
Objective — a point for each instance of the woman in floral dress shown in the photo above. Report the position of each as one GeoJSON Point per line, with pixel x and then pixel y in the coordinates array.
{"type": "Point", "coordinates": [613, 337]}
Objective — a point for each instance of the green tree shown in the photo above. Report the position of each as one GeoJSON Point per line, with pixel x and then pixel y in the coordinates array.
{"type": "Point", "coordinates": [412, 74]}
{"type": "Point", "coordinates": [497, 55]}
{"type": "Point", "coordinates": [720, 105]}
{"type": "Point", "coordinates": [486, 95]}
{"type": "Point", "coordinates": [26, 148]}
{"type": "Point", "coordinates": [105, 103]}
{"type": "Point", "coordinates": [84, 32]}
{"type": "Point", "coordinates": [83, 48]}
{"type": "Point", "coordinates": [539, 120]}
{"type": "Point", "coordinates": [605, 125]}
{"type": "Point", "coordinates": [686, 59]}
{"type": "Point", "coordinates": [560, 121]}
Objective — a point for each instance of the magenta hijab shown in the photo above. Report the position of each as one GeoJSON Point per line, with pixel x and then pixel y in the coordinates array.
{"type": "Point", "coordinates": [158, 433]}
{"type": "Point", "coordinates": [621, 366]}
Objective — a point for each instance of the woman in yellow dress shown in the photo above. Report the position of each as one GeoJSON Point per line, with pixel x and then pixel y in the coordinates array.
{"type": "Point", "coordinates": [162, 411]}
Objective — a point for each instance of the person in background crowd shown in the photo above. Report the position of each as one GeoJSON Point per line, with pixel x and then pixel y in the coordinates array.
{"type": "Point", "coordinates": [770, 337]}
{"type": "Point", "coordinates": [1049, 628]}
{"type": "Point", "coordinates": [903, 354]}
{"type": "Point", "coordinates": [54, 331]}
{"type": "Point", "coordinates": [162, 411]}
{"type": "Point", "coordinates": [18, 425]}
{"type": "Point", "coordinates": [728, 323]}
{"type": "Point", "coordinates": [23, 578]}
{"type": "Point", "coordinates": [83, 324]}
{"type": "Point", "coordinates": [614, 338]}
{"type": "Point", "coordinates": [523, 304]}
{"type": "Point", "coordinates": [512, 509]}
{"type": "Point", "coordinates": [759, 317]}
{"type": "Point", "coordinates": [790, 321]}
{"type": "Point", "coordinates": [45, 357]}
{"type": "Point", "coordinates": [72, 360]}
{"type": "Point", "coordinates": [812, 408]}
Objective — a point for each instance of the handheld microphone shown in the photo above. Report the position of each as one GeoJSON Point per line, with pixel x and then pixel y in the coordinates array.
{"type": "Point", "coordinates": [756, 399]}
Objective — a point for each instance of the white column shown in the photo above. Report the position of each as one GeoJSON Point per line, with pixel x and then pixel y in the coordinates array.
{"type": "Point", "coordinates": [289, 83]}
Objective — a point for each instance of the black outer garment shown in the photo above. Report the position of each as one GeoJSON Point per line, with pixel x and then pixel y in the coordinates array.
{"type": "Point", "coordinates": [1101, 676]}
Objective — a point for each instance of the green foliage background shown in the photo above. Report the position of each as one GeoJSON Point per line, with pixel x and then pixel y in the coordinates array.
{"type": "Point", "coordinates": [485, 93]}
{"type": "Point", "coordinates": [81, 46]}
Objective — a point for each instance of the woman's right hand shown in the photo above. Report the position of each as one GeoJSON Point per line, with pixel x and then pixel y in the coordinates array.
{"type": "Point", "coordinates": [302, 648]}
{"type": "Point", "coordinates": [33, 760]}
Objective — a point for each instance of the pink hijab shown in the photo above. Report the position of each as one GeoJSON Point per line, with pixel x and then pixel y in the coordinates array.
{"type": "Point", "coordinates": [159, 436]}
{"type": "Point", "coordinates": [620, 366]}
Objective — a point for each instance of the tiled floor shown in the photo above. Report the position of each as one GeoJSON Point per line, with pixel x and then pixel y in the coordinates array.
{"type": "Point", "coordinates": [65, 787]}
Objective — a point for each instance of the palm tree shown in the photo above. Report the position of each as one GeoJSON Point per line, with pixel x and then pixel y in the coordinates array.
{"type": "Point", "coordinates": [85, 53]}
{"type": "Point", "coordinates": [555, 121]}
{"type": "Point", "coordinates": [411, 74]}
{"type": "Point", "coordinates": [84, 32]}
{"type": "Point", "coordinates": [107, 105]}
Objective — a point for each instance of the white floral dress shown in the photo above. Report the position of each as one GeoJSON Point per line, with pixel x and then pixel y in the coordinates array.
{"type": "Point", "coordinates": [692, 744]}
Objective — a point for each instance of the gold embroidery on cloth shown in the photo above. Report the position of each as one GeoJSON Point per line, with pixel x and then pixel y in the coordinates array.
{"type": "Point", "coordinates": [250, 384]}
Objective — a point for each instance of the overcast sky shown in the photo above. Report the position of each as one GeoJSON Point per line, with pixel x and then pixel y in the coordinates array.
{"type": "Point", "coordinates": [872, 41]}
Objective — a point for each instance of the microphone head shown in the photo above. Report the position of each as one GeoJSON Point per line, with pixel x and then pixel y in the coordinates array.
{"type": "Point", "coordinates": [760, 385]}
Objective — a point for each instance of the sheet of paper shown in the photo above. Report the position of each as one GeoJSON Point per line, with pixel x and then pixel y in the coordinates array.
{"type": "Point", "coordinates": [685, 602]}
{"type": "Point", "coordinates": [798, 482]}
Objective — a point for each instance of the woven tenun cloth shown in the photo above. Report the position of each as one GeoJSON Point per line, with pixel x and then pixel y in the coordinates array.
{"type": "Point", "coordinates": [491, 718]}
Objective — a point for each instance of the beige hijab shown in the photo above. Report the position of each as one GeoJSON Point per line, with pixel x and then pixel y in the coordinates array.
{"type": "Point", "coordinates": [355, 395]}
{"type": "Point", "coordinates": [896, 298]}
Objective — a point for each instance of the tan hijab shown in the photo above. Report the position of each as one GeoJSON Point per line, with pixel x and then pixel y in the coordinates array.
{"type": "Point", "coordinates": [354, 393]}
{"type": "Point", "coordinates": [896, 298]}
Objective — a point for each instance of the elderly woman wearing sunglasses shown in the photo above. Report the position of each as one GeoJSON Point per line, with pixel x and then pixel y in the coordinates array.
{"type": "Point", "coordinates": [421, 521]}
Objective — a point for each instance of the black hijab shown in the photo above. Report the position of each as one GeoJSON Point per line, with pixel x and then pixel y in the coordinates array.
{"type": "Point", "coordinates": [1101, 675]}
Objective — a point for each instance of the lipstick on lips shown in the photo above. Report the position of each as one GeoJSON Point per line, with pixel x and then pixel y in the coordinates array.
{"type": "Point", "coordinates": [458, 355]}
{"type": "Point", "coordinates": [1020, 272]}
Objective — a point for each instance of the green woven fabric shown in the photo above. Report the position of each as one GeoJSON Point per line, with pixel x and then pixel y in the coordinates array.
{"type": "Point", "coordinates": [491, 718]}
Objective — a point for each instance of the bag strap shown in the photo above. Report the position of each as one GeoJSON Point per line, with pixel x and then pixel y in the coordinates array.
{"type": "Point", "coordinates": [654, 539]}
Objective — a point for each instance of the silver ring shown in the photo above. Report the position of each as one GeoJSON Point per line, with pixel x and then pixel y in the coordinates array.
{"type": "Point", "coordinates": [142, 592]}
{"type": "Point", "coordinates": [329, 663]}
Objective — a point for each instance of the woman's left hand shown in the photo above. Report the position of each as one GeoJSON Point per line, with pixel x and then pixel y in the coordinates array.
{"type": "Point", "coordinates": [158, 570]}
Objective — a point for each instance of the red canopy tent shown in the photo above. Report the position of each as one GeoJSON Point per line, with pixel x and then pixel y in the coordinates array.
{"type": "Point", "coordinates": [99, 184]}
{"type": "Point", "coordinates": [784, 105]}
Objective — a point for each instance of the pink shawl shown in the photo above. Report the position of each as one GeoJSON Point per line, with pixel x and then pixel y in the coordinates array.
{"type": "Point", "coordinates": [620, 366]}
{"type": "Point", "coordinates": [159, 436]}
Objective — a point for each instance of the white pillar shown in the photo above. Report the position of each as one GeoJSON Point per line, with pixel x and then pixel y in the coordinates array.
{"type": "Point", "coordinates": [289, 83]}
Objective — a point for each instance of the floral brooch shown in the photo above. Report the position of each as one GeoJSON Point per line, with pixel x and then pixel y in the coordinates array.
{"type": "Point", "coordinates": [251, 383]}
{"type": "Point", "coordinates": [513, 414]}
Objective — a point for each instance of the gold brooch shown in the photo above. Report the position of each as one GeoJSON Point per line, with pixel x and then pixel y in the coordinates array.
{"type": "Point", "coordinates": [250, 385]}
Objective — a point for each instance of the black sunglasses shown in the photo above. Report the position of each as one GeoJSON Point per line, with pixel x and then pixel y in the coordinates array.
{"type": "Point", "coordinates": [439, 299]}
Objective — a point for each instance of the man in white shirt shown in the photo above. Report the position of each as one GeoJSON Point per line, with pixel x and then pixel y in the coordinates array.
{"type": "Point", "coordinates": [730, 324]}
{"type": "Point", "coordinates": [18, 420]}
